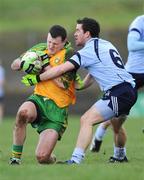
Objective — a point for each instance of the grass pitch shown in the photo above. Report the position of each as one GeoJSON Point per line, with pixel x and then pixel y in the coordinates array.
{"type": "Point", "coordinates": [95, 166]}
{"type": "Point", "coordinates": [20, 15]}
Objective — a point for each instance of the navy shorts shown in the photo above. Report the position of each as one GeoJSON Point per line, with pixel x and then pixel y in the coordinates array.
{"type": "Point", "coordinates": [117, 101]}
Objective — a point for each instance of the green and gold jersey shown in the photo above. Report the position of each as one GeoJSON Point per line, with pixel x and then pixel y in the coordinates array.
{"type": "Point", "coordinates": [61, 96]}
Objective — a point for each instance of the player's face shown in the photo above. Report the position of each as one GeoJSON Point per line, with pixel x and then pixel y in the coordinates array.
{"type": "Point", "coordinates": [80, 36]}
{"type": "Point", "coordinates": [54, 45]}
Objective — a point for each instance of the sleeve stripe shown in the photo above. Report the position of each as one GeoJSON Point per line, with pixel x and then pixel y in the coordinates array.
{"type": "Point", "coordinates": [96, 48]}
{"type": "Point", "coordinates": [79, 57]}
{"type": "Point", "coordinates": [134, 29]}
{"type": "Point", "coordinates": [74, 63]}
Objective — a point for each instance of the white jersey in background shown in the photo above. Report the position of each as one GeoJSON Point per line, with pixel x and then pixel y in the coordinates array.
{"type": "Point", "coordinates": [103, 62]}
{"type": "Point", "coordinates": [2, 79]}
{"type": "Point", "coordinates": [135, 63]}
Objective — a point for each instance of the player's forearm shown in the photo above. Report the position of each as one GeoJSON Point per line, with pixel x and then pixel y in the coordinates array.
{"type": "Point", "coordinates": [88, 81]}
{"type": "Point", "coordinates": [56, 71]}
{"type": "Point", "coordinates": [85, 83]}
{"type": "Point", "coordinates": [31, 79]}
{"type": "Point", "coordinates": [51, 73]}
{"type": "Point", "coordinates": [133, 43]}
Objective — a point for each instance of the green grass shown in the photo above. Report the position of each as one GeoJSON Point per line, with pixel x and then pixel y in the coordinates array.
{"type": "Point", "coordinates": [39, 15]}
{"type": "Point", "coordinates": [95, 166]}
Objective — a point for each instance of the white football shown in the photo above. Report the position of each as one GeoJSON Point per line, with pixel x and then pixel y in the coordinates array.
{"type": "Point", "coordinates": [30, 56]}
{"type": "Point", "coordinates": [31, 63]}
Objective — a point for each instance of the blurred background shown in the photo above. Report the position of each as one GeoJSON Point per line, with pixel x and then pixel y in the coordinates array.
{"type": "Point", "coordinates": [25, 23]}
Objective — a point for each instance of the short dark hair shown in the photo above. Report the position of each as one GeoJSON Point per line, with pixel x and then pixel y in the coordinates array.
{"type": "Point", "coordinates": [57, 31]}
{"type": "Point", "coordinates": [91, 25]}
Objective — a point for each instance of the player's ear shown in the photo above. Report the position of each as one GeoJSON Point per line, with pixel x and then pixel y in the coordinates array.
{"type": "Point", "coordinates": [87, 34]}
{"type": "Point", "coordinates": [65, 41]}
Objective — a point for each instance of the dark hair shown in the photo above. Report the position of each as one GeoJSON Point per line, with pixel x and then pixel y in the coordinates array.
{"type": "Point", "coordinates": [90, 25]}
{"type": "Point", "coordinates": [57, 31]}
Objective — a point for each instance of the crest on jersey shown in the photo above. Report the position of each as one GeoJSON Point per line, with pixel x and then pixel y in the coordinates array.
{"type": "Point", "coordinates": [57, 60]}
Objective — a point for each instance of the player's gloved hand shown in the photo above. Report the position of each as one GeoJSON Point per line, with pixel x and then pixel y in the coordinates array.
{"type": "Point", "coordinates": [79, 82]}
{"type": "Point", "coordinates": [27, 61]}
{"type": "Point", "coordinates": [26, 66]}
{"type": "Point", "coordinates": [43, 57]}
{"type": "Point", "coordinates": [30, 79]}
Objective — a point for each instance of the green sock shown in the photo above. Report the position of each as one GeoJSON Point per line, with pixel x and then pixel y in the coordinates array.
{"type": "Point", "coordinates": [17, 151]}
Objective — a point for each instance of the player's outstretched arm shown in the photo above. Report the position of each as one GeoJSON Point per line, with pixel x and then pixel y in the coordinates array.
{"type": "Point", "coordinates": [52, 73]}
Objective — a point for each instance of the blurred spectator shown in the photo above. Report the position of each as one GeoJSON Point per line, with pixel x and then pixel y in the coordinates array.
{"type": "Point", "coordinates": [2, 81]}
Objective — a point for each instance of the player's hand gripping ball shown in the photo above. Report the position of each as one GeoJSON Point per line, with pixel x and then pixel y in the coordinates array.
{"type": "Point", "coordinates": [31, 63]}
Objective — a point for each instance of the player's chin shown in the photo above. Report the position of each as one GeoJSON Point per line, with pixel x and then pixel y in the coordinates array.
{"type": "Point", "coordinates": [52, 51]}
{"type": "Point", "coordinates": [77, 43]}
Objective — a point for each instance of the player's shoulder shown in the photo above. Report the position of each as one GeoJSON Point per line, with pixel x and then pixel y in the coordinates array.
{"type": "Point", "coordinates": [137, 21]}
{"type": "Point", "coordinates": [139, 17]}
{"type": "Point", "coordinates": [104, 44]}
{"type": "Point", "coordinates": [39, 47]}
{"type": "Point", "coordinates": [69, 49]}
